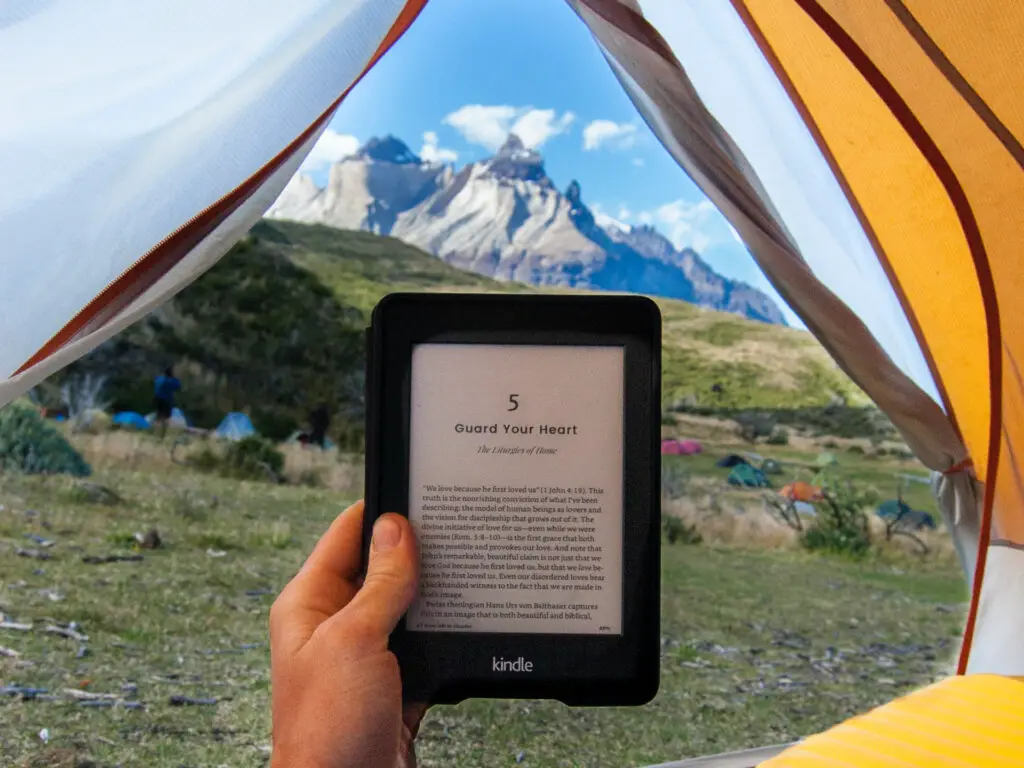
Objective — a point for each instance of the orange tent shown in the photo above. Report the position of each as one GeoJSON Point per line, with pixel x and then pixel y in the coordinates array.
{"type": "Point", "coordinates": [801, 491]}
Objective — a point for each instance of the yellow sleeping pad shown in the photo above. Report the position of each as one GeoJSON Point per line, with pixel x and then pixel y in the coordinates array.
{"type": "Point", "coordinates": [976, 720]}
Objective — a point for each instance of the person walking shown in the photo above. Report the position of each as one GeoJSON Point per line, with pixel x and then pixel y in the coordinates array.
{"type": "Point", "coordinates": [164, 387]}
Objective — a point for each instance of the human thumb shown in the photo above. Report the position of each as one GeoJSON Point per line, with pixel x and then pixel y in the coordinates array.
{"type": "Point", "coordinates": [390, 583]}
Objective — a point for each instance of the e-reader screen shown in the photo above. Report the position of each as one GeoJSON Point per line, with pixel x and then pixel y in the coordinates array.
{"type": "Point", "coordinates": [516, 488]}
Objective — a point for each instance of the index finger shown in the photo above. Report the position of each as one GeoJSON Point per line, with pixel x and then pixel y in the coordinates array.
{"type": "Point", "coordinates": [324, 585]}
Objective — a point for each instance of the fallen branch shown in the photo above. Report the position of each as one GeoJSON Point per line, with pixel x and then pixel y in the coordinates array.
{"type": "Point", "coordinates": [9, 652]}
{"type": "Point", "coordinates": [15, 626]}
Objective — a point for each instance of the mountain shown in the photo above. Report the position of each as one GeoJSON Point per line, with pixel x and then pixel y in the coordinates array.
{"type": "Point", "coordinates": [504, 218]}
{"type": "Point", "coordinates": [277, 325]}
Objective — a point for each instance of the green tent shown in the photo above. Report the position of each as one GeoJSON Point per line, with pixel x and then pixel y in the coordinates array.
{"type": "Point", "coordinates": [827, 460]}
{"type": "Point", "coordinates": [746, 476]}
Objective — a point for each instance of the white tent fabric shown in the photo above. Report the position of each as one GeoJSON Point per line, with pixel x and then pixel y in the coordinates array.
{"type": "Point", "coordinates": [137, 119]}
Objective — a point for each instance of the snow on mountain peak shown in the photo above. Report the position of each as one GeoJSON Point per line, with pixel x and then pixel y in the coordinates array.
{"type": "Point", "coordinates": [505, 218]}
{"type": "Point", "coordinates": [514, 161]}
{"type": "Point", "coordinates": [607, 222]}
{"type": "Point", "coordinates": [388, 150]}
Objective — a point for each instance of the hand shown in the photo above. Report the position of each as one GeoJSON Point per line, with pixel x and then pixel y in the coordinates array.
{"type": "Point", "coordinates": [337, 694]}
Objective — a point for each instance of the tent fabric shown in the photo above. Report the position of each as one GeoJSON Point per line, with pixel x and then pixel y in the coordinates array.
{"type": "Point", "coordinates": [731, 460]}
{"type": "Point", "coordinates": [235, 426]}
{"type": "Point", "coordinates": [153, 182]}
{"type": "Point", "coordinates": [936, 85]}
{"type": "Point", "coordinates": [680, 447]}
{"type": "Point", "coordinates": [826, 459]}
{"type": "Point", "coordinates": [747, 476]}
{"type": "Point", "coordinates": [801, 491]}
{"type": "Point", "coordinates": [131, 419]}
{"type": "Point", "coordinates": [178, 418]}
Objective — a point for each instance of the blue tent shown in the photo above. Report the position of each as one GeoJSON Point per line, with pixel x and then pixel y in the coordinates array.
{"type": "Point", "coordinates": [131, 419]}
{"type": "Point", "coordinates": [235, 426]}
{"type": "Point", "coordinates": [178, 418]}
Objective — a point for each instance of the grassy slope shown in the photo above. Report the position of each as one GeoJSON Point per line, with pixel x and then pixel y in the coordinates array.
{"type": "Point", "coordinates": [758, 647]}
{"type": "Point", "coordinates": [757, 364]}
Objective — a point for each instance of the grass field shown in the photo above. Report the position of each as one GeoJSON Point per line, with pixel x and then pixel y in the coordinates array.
{"type": "Point", "coordinates": [758, 646]}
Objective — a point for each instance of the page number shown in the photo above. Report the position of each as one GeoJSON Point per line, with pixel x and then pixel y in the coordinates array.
{"type": "Point", "coordinates": [513, 399]}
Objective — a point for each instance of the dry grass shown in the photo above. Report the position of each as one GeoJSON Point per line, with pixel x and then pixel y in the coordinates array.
{"type": "Point", "coordinates": [721, 519]}
{"type": "Point", "coordinates": [328, 469]}
{"type": "Point", "coordinates": [137, 451]}
{"type": "Point", "coordinates": [746, 525]}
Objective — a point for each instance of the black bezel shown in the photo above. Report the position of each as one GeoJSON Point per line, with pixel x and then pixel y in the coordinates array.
{"type": "Point", "coordinates": [587, 670]}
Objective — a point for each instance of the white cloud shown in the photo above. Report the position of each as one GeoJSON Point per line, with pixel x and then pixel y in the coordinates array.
{"type": "Point", "coordinates": [638, 162]}
{"type": "Point", "coordinates": [329, 149]}
{"type": "Point", "coordinates": [432, 152]}
{"type": "Point", "coordinates": [600, 133]}
{"type": "Point", "coordinates": [624, 213]}
{"type": "Point", "coordinates": [692, 225]}
{"type": "Point", "coordinates": [645, 217]}
{"type": "Point", "coordinates": [489, 126]}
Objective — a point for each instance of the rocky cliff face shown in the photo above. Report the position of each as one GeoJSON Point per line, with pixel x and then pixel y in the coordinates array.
{"type": "Point", "coordinates": [505, 218]}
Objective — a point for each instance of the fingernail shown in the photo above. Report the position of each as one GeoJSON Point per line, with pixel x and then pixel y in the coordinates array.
{"type": "Point", "coordinates": [386, 534]}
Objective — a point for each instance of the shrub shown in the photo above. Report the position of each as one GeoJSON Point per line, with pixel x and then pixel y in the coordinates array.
{"type": "Point", "coordinates": [253, 458]}
{"type": "Point", "coordinates": [28, 444]}
{"type": "Point", "coordinates": [779, 437]}
{"type": "Point", "coordinates": [753, 425]}
{"type": "Point", "coordinates": [675, 480]}
{"type": "Point", "coordinates": [676, 530]}
{"type": "Point", "coordinates": [311, 478]}
{"type": "Point", "coordinates": [841, 525]}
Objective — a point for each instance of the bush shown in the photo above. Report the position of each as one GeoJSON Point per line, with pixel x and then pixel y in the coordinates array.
{"type": "Point", "coordinates": [779, 437]}
{"type": "Point", "coordinates": [676, 530]}
{"type": "Point", "coordinates": [675, 479]}
{"type": "Point", "coordinates": [29, 444]}
{"type": "Point", "coordinates": [753, 425]}
{"type": "Point", "coordinates": [253, 458]}
{"type": "Point", "coordinates": [841, 525]}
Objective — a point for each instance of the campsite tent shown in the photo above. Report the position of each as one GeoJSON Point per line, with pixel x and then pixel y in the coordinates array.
{"type": "Point", "coordinates": [748, 477]}
{"type": "Point", "coordinates": [732, 460]}
{"type": "Point", "coordinates": [178, 418]}
{"type": "Point", "coordinates": [870, 155]}
{"type": "Point", "coordinates": [235, 426]}
{"type": "Point", "coordinates": [771, 467]}
{"type": "Point", "coordinates": [801, 491]}
{"type": "Point", "coordinates": [673, 447]}
{"type": "Point", "coordinates": [826, 459]}
{"type": "Point", "coordinates": [894, 509]}
{"type": "Point", "coordinates": [130, 419]}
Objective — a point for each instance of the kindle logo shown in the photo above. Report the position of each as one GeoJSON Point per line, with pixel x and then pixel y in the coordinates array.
{"type": "Point", "coordinates": [508, 665]}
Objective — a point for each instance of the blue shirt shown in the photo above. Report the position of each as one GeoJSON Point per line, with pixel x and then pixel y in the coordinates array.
{"type": "Point", "coordinates": [164, 387]}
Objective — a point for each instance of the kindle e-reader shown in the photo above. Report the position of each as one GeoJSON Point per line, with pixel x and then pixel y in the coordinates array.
{"type": "Point", "coordinates": [520, 434]}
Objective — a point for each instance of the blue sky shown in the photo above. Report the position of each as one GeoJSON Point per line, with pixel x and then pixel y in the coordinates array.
{"type": "Point", "coordinates": [468, 72]}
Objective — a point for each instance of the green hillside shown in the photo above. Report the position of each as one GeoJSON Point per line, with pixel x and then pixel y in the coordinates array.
{"type": "Point", "coordinates": [276, 327]}
{"type": "Point", "coordinates": [754, 364]}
